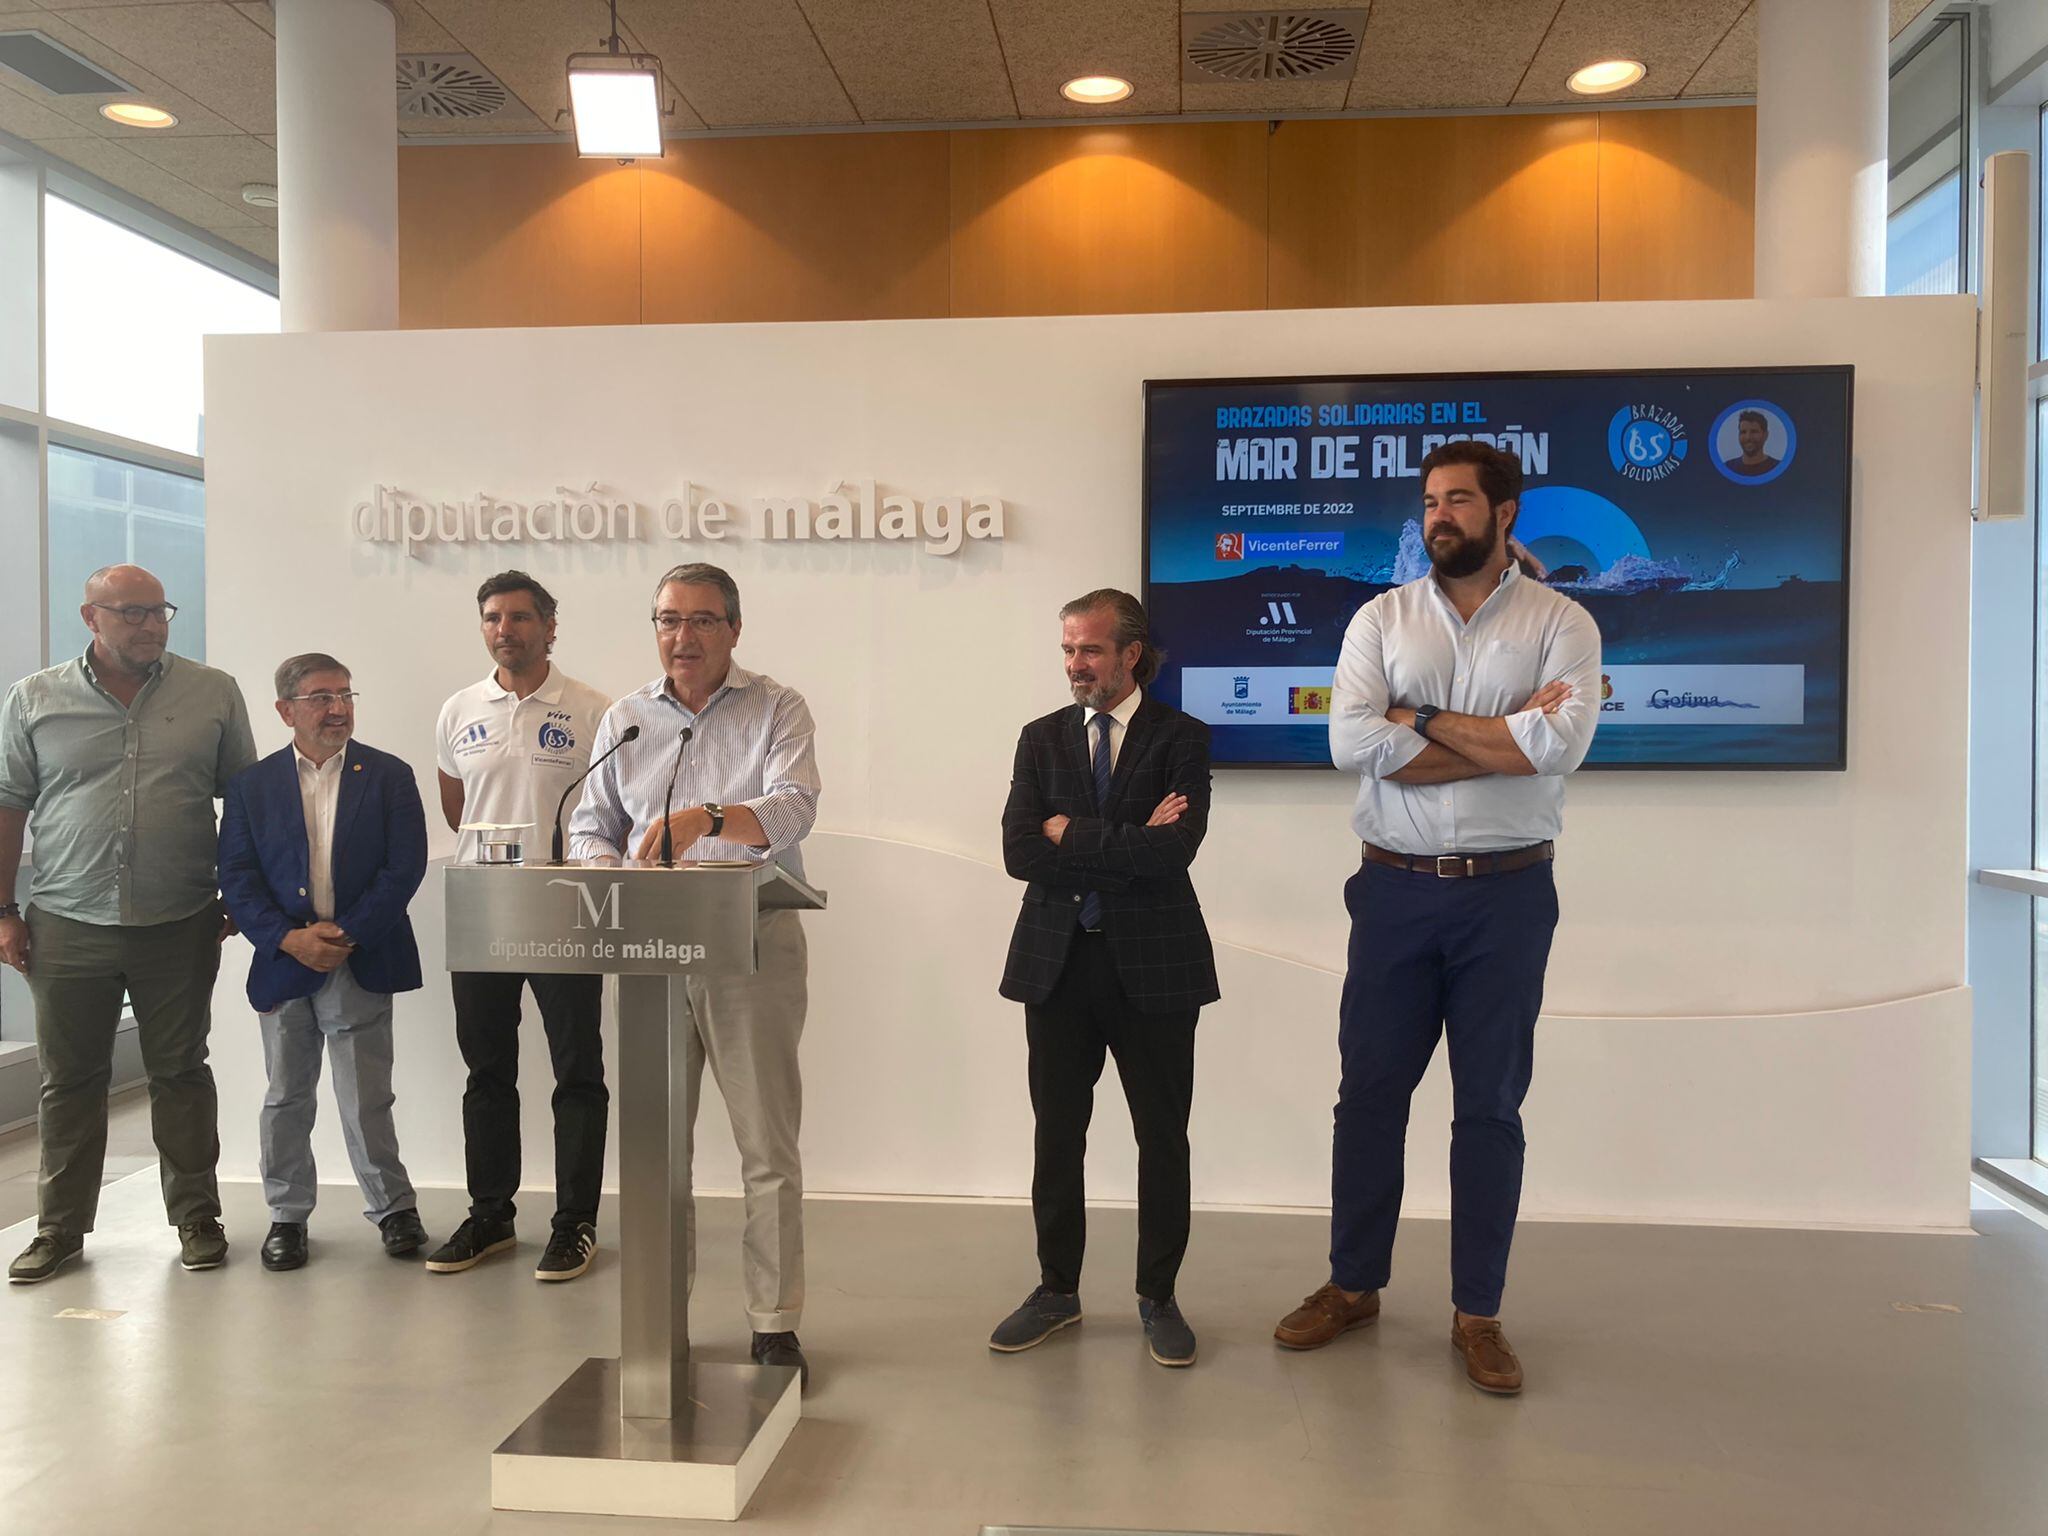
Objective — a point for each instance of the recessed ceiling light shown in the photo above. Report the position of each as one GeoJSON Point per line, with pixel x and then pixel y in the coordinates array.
{"type": "Point", "coordinates": [133, 114]}
{"type": "Point", "coordinates": [1608, 75]}
{"type": "Point", "coordinates": [259, 194]}
{"type": "Point", "coordinates": [1096, 90]}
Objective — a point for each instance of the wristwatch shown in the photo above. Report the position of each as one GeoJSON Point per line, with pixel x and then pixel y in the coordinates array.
{"type": "Point", "coordinates": [10, 909]}
{"type": "Point", "coordinates": [717, 818]}
{"type": "Point", "coordinates": [1424, 713]}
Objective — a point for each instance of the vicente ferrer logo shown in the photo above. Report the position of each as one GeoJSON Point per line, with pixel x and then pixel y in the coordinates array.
{"type": "Point", "coordinates": [1229, 546]}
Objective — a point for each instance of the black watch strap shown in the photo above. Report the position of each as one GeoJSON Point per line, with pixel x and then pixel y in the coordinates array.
{"type": "Point", "coordinates": [717, 818]}
{"type": "Point", "coordinates": [10, 909]}
{"type": "Point", "coordinates": [1423, 715]}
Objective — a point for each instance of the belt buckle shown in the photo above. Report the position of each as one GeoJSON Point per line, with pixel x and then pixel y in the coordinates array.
{"type": "Point", "coordinates": [1459, 867]}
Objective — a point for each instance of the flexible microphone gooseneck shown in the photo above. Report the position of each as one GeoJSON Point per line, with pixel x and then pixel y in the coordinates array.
{"type": "Point", "coordinates": [668, 842]}
{"type": "Point", "coordinates": [631, 733]}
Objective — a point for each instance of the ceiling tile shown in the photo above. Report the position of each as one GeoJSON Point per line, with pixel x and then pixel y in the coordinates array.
{"type": "Point", "coordinates": [83, 111]}
{"type": "Point", "coordinates": [1730, 70]}
{"type": "Point", "coordinates": [257, 242]}
{"type": "Point", "coordinates": [1049, 42]}
{"type": "Point", "coordinates": [1419, 53]}
{"type": "Point", "coordinates": [218, 167]}
{"type": "Point", "coordinates": [1905, 12]}
{"type": "Point", "coordinates": [259, 11]}
{"type": "Point", "coordinates": [30, 119]}
{"type": "Point", "coordinates": [113, 164]}
{"type": "Point", "coordinates": [741, 63]}
{"type": "Point", "coordinates": [526, 42]}
{"type": "Point", "coordinates": [211, 52]}
{"type": "Point", "coordinates": [420, 33]}
{"type": "Point", "coordinates": [916, 61]}
{"type": "Point", "coordinates": [1673, 40]}
{"type": "Point", "coordinates": [1265, 96]}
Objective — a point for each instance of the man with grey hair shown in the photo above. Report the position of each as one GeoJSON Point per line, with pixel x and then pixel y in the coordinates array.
{"type": "Point", "coordinates": [745, 778]}
{"type": "Point", "coordinates": [322, 846]}
{"type": "Point", "coordinates": [114, 760]}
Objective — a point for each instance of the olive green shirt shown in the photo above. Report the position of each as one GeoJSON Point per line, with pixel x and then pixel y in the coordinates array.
{"type": "Point", "coordinates": [120, 801]}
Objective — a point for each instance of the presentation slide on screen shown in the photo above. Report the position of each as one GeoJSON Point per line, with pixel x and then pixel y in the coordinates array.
{"type": "Point", "coordinates": [1702, 518]}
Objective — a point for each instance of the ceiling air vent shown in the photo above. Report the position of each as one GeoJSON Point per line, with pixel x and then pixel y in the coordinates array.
{"type": "Point", "coordinates": [1259, 46]}
{"type": "Point", "coordinates": [448, 87]}
{"type": "Point", "coordinates": [56, 68]}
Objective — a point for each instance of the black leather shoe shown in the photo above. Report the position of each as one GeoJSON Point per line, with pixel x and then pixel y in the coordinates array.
{"type": "Point", "coordinates": [403, 1234]}
{"type": "Point", "coordinates": [1043, 1314]}
{"type": "Point", "coordinates": [285, 1247]}
{"type": "Point", "coordinates": [49, 1252]}
{"type": "Point", "coordinates": [782, 1349]}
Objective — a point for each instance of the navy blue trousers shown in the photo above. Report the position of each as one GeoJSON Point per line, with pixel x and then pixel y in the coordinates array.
{"type": "Point", "coordinates": [1430, 957]}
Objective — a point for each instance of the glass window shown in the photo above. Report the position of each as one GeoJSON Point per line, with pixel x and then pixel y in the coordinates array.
{"type": "Point", "coordinates": [125, 319]}
{"type": "Point", "coordinates": [1924, 242]}
{"type": "Point", "coordinates": [105, 512]}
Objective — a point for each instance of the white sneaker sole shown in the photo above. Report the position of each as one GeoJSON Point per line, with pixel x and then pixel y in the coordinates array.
{"type": "Point", "coordinates": [457, 1266]}
{"type": "Point", "coordinates": [567, 1274]}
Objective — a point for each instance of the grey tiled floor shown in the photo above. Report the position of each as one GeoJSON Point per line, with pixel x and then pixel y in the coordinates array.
{"type": "Point", "coordinates": [1683, 1382]}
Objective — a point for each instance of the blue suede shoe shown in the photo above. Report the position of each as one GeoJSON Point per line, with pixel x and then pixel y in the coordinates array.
{"type": "Point", "coordinates": [1167, 1334]}
{"type": "Point", "coordinates": [1043, 1314]}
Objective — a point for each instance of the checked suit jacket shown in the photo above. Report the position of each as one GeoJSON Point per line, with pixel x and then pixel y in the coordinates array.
{"type": "Point", "coordinates": [1149, 911]}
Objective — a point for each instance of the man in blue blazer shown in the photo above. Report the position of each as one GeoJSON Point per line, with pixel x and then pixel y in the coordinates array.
{"type": "Point", "coordinates": [321, 848]}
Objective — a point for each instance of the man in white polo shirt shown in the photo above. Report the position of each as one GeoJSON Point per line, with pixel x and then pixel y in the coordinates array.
{"type": "Point", "coordinates": [508, 747]}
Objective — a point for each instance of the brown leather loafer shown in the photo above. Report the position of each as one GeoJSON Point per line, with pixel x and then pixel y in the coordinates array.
{"type": "Point", "coordinates": [1321, 1317]}
{"type": "Point", "coordinates": [1490, 1362]}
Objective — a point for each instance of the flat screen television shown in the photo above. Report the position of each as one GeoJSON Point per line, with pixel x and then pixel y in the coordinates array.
{"type": "Point", "coordinates": [1700, 515]}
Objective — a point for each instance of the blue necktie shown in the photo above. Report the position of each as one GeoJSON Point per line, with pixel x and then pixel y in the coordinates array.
{"type": "Point", "coordinates": [1091, 904]}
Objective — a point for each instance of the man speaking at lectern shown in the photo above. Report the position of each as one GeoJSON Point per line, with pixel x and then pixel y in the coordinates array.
{"type": "Point", "coordinates": [729, 756]}
{"type": "Point", "coordinates": [1108, 804]}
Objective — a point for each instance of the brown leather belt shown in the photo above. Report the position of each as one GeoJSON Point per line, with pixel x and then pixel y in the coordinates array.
{"type": "Point", "coordinates": [1460, 866]}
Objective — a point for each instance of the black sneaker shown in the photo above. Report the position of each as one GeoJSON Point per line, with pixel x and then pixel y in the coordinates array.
{"type": "Point", "coordinates": [473, 1242]}
{"type": "Point", "coordinates": [1043, 1314]}
{"type": "Point", "coordinates": [202, 1244]}
{"type": "Point", "coordinates": [285, 1246]}
{"type": "Point", "coordinates": [1167, 1334]}
{"type": "Point", "coordinates": [782, 1349]}
{"type": "Point", "coordinates": [48, 1252]}
{"type": "Point", "coordinates": [569, 1252]}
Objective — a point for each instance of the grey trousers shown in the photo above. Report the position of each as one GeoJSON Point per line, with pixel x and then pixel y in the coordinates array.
{"type": "Point", "coordinates": [77, 974]}
{"type": "Point", "coordinates": [747, 1028]}
{"type": "Point", "coordinates": [355, 1026]}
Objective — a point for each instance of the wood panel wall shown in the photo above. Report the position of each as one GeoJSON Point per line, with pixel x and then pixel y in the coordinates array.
{"type": "Point", "coordinates": [1044, 221]}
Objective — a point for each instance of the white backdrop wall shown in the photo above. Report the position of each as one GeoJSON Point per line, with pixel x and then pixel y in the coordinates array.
{"type": "Point", "coordinates": [1756, 1009]}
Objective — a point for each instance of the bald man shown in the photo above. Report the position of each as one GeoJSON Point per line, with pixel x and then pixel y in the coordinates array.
{"type": "Point", "coordinates": [113, 760]}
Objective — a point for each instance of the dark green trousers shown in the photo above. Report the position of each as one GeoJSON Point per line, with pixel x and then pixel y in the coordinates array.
{"type": "Point", "coordinates": [78, 974]}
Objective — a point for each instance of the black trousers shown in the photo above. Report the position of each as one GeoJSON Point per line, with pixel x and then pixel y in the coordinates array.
{"type": "Point", "coordinates": [1087, 1015]}
{"type": "Point", "coordinates": [487, 1029]}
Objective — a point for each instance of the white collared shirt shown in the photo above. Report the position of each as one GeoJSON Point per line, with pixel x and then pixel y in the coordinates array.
{"type": "Point", "coordinates": [319, 794]}
{"type": "Point", "coordinates": [516, 756]}
{"type": "Point", "coordinates": [1120, 724]}
{"type": "Point", "coordinates": [1409, 647]}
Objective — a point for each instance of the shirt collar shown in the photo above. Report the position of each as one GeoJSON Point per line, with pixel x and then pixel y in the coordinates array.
{"type": "Point", "coordinates": [331, 766]}
{"type": "Point", "coordinates": [158, 669]}
{"type": "Point", "coordinates": [1123, 712]}
{"type": "Point", "coordinates": [736, 676]}
{"type": "Point", "coordinates": [549, 691]}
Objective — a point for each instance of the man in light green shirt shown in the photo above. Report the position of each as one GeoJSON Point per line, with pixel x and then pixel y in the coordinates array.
{"type": "Point", "coordinates": [114, 760]}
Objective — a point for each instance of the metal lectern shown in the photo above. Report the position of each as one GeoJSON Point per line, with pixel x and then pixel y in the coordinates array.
{"type": "Point", "coordinates": [648, 1433]}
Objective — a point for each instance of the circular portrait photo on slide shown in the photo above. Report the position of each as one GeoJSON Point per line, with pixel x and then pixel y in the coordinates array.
{"type": "Point", "coordinates": [1753, 442]}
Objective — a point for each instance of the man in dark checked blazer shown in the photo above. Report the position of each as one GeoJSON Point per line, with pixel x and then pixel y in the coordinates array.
{"type": "Point", "coordinates": [1108, 803]}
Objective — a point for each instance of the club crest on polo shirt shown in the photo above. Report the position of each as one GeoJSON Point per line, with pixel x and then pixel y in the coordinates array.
{"type": "Point", "coordinates": [556, 739]}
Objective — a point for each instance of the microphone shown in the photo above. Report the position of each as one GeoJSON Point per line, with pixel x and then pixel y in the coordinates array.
{"type": "Point", "coordinates": [668, 842]}
{"type": "Point", "coordinates": [631, 733]}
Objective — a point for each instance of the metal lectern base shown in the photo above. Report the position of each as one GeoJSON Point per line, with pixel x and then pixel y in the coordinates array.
{"type": "Point", "coordinates": [576, 1455]}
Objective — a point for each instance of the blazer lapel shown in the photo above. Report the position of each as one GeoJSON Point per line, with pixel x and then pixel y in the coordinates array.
{"type": "Point", "coordinates": [1136, 734]}
{"type": "Point", "coordinates": [1075, 732]}
{"type": "Point", "coordinates": [348, 797]}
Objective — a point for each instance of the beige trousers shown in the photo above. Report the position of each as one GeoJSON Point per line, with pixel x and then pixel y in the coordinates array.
{"type": "Point", "coordinates": [747, 1028]}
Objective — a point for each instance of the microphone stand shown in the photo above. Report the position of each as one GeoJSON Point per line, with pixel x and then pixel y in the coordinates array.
{"type": "Point", "coordinates": [668, 844]}
{"type": "Point", "coordinates": [631, 733]}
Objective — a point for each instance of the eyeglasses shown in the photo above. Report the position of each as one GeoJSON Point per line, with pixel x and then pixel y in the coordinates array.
{"type": "Point", "coordinates": [326, 700]}
{"type": "Point", "coordinates": [700, 623]}
{"type": "Point", "coordinates": [135, 613]}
